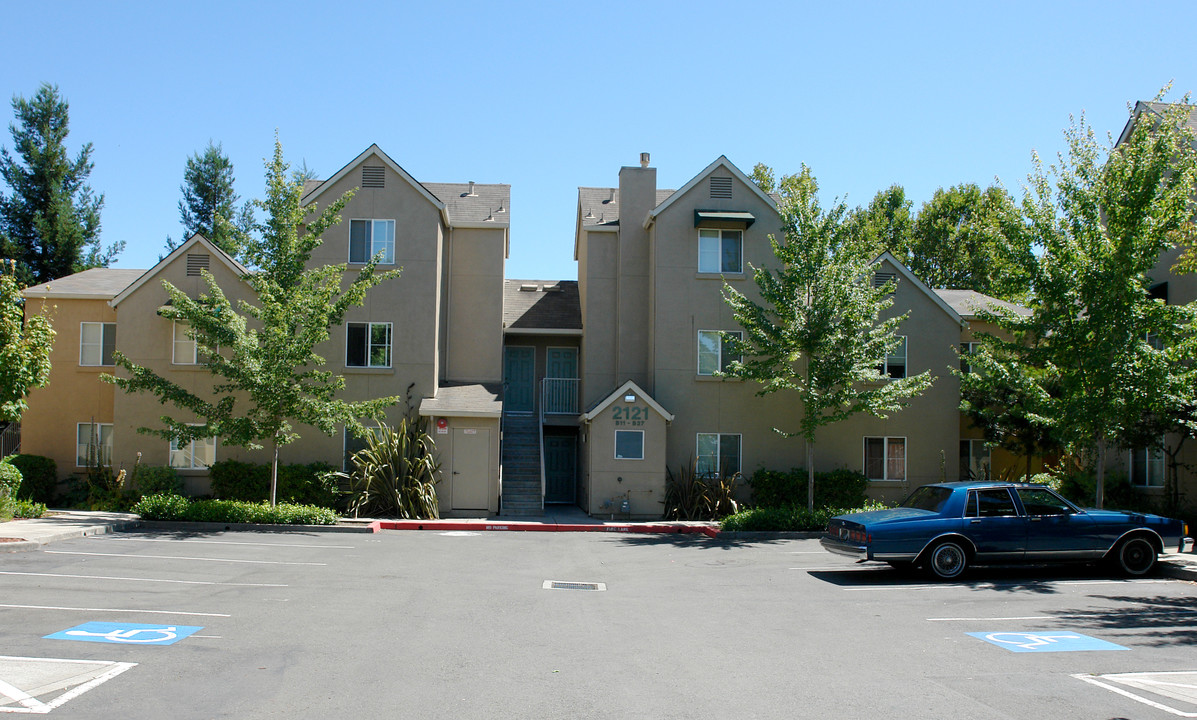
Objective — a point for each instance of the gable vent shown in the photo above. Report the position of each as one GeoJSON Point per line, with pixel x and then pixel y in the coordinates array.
{"type": "Point", "coordinates": [196, 263]}
{"type": "Point", "coordinates": [721, 187]}
{"type": "Point", "coordinates": [374, 176]}
{"type": "Point", "coordinates": [881, 278]}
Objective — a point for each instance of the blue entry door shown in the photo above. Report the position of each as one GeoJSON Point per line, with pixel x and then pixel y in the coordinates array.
{"type": "Point", "coordinates": [519, 379]}
{"type": "Point", "coordinates": [560, 468]}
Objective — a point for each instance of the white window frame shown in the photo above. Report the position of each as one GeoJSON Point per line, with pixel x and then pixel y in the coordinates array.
{"type": "Point", "coordinates": [99, 347]}
{"type": "Point", "coordinates": [190, 451]}
{"type": "Point", "coordinates": [986, 461]}
{"type": "Point", "coordinates": [185, 341]}
{"type": "Point", "coordinates": [373, 247]}
{"type": "Point", "coordinates": [81, 449]}
{"type": "Point", "coordinates": [706, 252]}
{"type": "Point", "coordinates": [615, 448]}
{"type": "Point", "coordinates": [370, 344]}
{"type": "Point", "coordinates": [885, 459]}
{"type": "Point", "coordinates": [720, 362]}
{"type": "Point", "coordinates": [905, 355]}
{"type": "Point", "coordinates": [718, 463]}
{"type": "Point", "coordinates": [967, 349]}
{"type": "Point", "coordinates": [1155, 466]}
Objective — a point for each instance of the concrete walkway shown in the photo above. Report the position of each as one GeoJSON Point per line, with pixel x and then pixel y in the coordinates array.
{"type": "Point", "coordinates": [68, 524]}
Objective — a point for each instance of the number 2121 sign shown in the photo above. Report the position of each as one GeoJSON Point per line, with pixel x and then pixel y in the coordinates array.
{"type": "Point", "coordinates": [629, 416]}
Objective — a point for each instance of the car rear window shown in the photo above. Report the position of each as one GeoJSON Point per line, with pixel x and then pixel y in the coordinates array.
{"type": "Point", "coordinates": [927, 498]}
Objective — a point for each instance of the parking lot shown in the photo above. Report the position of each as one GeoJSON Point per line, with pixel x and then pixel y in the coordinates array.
{"type": "Point", "coordinates": [464, 624]}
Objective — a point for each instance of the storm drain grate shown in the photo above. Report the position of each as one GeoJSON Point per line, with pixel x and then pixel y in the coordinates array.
{"type": "Point", "coordinates": [560, 585]}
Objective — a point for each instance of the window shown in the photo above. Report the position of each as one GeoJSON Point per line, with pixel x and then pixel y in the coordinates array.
{"type": "Point", "coordinates": [185, 352]}
{"type": "Point", "coordinates": [368, 238]}
{"type": "Point", "coordinates": [629, 444]}
{"type": "Point", "coordinates": [720, 251]}
{"type": "Point", "coordinates": [966, 349]}
{"type": "Point", "coordinates": [195, 454]}
{"type": "Point", "coordinates": [894, 365]}
{"type": "Point", "coordinates": [975, 462]}
{"type": "Point", "coordinates": [353, 444]}
{"type": "Point", "coordinates": [1041, 501]}
{"type": "Point", "coordinates": [87, 434]}
{"type": "Point", "coordinates": [885, 458]}
{"type": "Point", "coordinates": [718, 454]}
{"type": "Point", "coordinates": [995, 502]}
{"type": "Point", "coordinates": [714, 355]}
{"type": "Point", "coordinates": [368, 345]}
{"type": "Point", "coordinates": [1147, 466]}
{"type": "Point", "coordinates": [97, 341]}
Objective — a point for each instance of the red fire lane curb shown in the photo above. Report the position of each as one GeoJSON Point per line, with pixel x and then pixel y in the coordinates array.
{"type": "Point", "coordinates": [540, 527]}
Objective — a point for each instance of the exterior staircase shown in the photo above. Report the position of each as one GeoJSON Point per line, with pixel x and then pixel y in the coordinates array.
{"type": "Point", "coordinates": [521, 467]}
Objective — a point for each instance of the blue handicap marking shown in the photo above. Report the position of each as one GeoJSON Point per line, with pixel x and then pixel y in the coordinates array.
{"type": "Point", "coordinates": [126, 633]}
{"type": "Point", "coordinates": [1045, 641]}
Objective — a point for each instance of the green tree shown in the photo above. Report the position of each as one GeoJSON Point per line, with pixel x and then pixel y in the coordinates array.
{"type": "Point", "coordinates": [209, 204]}
{"type": "Point", "coordinates": [886, 223]}
{"type": "Point", "coordinates": [50, 223]}
{"type": "Point", "coordinates": [24, 347]}
{"type": "Point", "coordinates": [970, 239]}
{"type": "Point", "coordinates": [263, 356]}
{"type": "Point", "coordinates": [1102, 216]}
{"type": "Point", "coordinates": [818, 331]}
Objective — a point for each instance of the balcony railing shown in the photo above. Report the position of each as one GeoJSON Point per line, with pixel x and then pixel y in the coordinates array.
{"type": "Point", "coordinates": [559, 396]}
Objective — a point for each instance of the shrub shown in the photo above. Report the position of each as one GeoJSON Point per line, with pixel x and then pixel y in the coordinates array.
{"type": "Point", "coordinates": [1081, 488]}
{"type": "Point", "coordinates": [173, 507]}
{"type": "Point", "coordinates": [27, 509]}
{"type": "Point", "coordinates": [838, 488]}
{"type": "Point", "coordinates": [691, 495]}
{"type": "Point", "coordinates": [40, 477]}
{"type": "Point", "coordinates": [10, 479]}
{"type": "Point", "coordinates": [396, 473]}
{"type": "Point", "coordinates": [789, 519]}
{"type": "Point", "coordinates": [250, 482]}
{"type": "Point", "coordinates": [158, 480]}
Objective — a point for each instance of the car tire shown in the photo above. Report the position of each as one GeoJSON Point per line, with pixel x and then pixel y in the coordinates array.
{"type": "Point", "coordinates": [1135, 556]}
{"type": "Point", "coordinates": [947, 560]}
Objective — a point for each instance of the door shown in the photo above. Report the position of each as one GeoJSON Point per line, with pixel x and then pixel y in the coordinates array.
{"type": "Point", "coordinates": [560, 468]}
{"type": "Point", "coordinates": [519, 379]}
{"type": "Point", "coordinates": [995, 526]}
{"type": "Point", "coordinates": [471, 469]}
{"type": "Point", "coordinates": [562, 363]}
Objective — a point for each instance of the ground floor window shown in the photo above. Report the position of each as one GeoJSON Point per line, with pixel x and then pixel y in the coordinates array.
{"type": "Point", "coordinates": [629, 444]}
{"type": "Point", "coordinates": [1147, 466]}
{"type": "Point", "coordinates": [93, 443]}
{"type": "Point", "coordinates": [196, 454]}
{"type": "Point", "coordinates": [885, 458]}
{"type": "Point", "coordinates": [975, 460]}
{"type": "Point", "coordinates": [718, 454]}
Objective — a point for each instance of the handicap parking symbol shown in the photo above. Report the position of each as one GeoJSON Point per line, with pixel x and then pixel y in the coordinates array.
{"type": "Point", "coordinates": [1045, 641]}
{"type": "Point", "coordinates": [126, 633]}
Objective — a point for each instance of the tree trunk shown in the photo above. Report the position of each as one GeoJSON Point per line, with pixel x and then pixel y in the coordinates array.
{"type": "Point", "coordinates": [1100, 493]}
{"type": "Point", "coordinates": [810, 475]}
{"type": "Point", "coordinates": [274, 474]}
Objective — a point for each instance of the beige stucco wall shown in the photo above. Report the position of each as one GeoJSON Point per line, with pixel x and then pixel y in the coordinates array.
{"type": "Point", "coordinates": [74, 393]}
{"type": "Point", "coordinates": [606, 481]}
{"type": "Point", "coordinates": [597, 286]}
{"type": "Point", "coordinates": [444, 448]}
{"type": "Point", "coordinates": [473, 316]}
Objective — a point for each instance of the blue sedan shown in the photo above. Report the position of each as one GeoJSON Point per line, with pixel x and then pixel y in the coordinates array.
{"type": "Point", "coordinates": [949, 526]}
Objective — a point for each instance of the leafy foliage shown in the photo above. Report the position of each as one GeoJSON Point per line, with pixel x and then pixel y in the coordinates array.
{"type": "Point", "coordinates": [209, 204]}
{"type": "Point", "coordinates": [40, 477]}
{"type": "Point", "coordinates": [297, 484]}
{"type": "Point", "coordinates": [691, 495]}
{"type": "Point", "coordinates": [50, 223]}
{"type": "Point", "coordinates": [27, 509]}
{"type": "Point", "coordinates": [10, 479]}
{"type": "Point", "coordinates": [262, 356]}
{"type": "Point", "coordinates": [25, 346]}
{"type": "Point", "coordinates": [157, 480]}
{"type": "Point", "coordinates": [838, 488]}
{"type": "Point", "coordinates": [396, 473]}
{"type": "Point", "coordinates": [173, 507]}
{"type": "Point", "coordinates": [818, 331]}
{"type": "Point", "coordinates": [789, 519]}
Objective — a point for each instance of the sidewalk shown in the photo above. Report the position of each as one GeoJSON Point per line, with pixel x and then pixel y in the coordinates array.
{"type": "Point", "coordinates": [68, 524]}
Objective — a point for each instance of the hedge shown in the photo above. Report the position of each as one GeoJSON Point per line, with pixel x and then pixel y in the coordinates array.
{"type": "Point", "coordinates": [39, 477]}
{"type": "Point", "coordinates": [837, 488]}
{"type": "Point", "coordinates": [174, 507]}
{"type": "Point", "coordinates": [250, 482]}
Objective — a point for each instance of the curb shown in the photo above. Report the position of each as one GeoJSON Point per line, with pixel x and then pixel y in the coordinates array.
{"type": "Point", "coordinates": [103, 529]}
{"type": "Point", "coordinates": [185, 526]}
{"type": "Point", "coordinates": [449, 525]}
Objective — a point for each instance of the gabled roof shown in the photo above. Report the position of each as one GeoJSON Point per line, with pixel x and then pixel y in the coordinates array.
{"type": "Point", "coordinates": [316, 191]}
{"type": "Point", "coordinates": [235, 267]}
{"type": "Point", "coordinates": [530, 306]}
{"type": "Point", "coordinates": [967, 303]}
{"type": "Point", "coordinates": [720, 162]}
{"type": "Point", "coordinates": [1155, 108]}
{"type": "Point", "coordinates": [909, 277]}
{"type": "Point", "coordinates": [627, 387]}
{"type": "Point", "coordinates": [93, 284]}
{"type": "Point", "coordinates": [486, 206]}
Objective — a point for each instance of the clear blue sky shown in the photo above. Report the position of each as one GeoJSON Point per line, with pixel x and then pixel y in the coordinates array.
{"type": "Point", "coordinates": [550, 96]}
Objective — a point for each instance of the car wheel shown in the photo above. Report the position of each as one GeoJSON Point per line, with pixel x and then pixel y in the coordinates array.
{"type": "Point", "coordinates": [947, 560]}
{"type": "Point", "coordinates": [1135, 556]}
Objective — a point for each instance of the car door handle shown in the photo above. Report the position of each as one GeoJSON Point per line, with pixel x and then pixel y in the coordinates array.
{"type": "Point", "coordinates": [1036, 519]}
{"type": "Point", "coordinates": [975, 522]}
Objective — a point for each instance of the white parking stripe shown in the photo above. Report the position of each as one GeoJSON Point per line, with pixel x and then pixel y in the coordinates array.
{"type": "Point", "coordinates": [136, 579]}
{"type": "Point", "coordinates": [115, 610]}
{"type": "Point", "coordinates": [181, 557]}
{"type": "Point", "coordinates": [996, 586]}
{"type": "Point", "coordinates": [115, 538]}
{"type": "Point", "coordinates": [1136, 613]}
{"type": "Point", "coordinates": [22, 697]}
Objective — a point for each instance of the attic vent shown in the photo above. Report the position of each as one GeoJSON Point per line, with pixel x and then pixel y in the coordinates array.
{"type": "Point", "coordinates": [721, 187]}
{"type": "Point", "coordinates": [529, 287]}
{"type": "Point", "coordinates": [196, 263]}
{"type": "Point", "coordinates": [882, 278]}
{"type": "Point", "coordinates": [374, 176]}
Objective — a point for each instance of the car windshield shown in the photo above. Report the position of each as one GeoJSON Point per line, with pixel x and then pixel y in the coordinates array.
{"type": "Point", "coordinates": [927, 498]}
